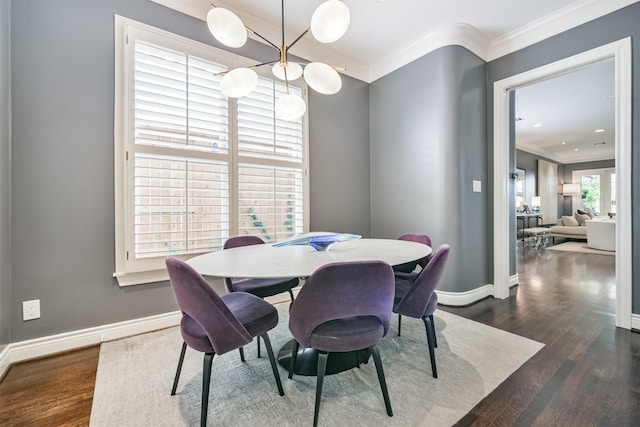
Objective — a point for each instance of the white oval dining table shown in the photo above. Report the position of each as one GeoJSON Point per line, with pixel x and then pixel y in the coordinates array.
{"type": "Point", "coordinates": [267, 261]}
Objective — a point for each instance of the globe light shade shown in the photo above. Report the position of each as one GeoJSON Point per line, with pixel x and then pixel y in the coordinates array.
{"type": "Point", "coordinates": [290, 107]}
{"type": "Point", "coordinates": [226, 27]}
{"type": "Point", "coordinates": [322, 78]}
{"type": "Point", "coordinates": [330, 21]}
{"type": "Point", "coordinates": [294, 71]}
{"type": "Point", "coordinates": [239, 82]}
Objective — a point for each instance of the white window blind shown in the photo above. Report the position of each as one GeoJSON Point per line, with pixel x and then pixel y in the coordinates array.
{"type": "Point", "coordinates": [181, 205]}
{"type": "Point", "coordinates": [270, 171]}
{"type": "Point", "coordinates": [192, 166]}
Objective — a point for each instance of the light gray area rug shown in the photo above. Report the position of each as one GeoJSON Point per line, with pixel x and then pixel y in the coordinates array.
{"type": "Point", "coordinates": [135, 376]}
{"type": "Point", "coordinates": [579, 247]}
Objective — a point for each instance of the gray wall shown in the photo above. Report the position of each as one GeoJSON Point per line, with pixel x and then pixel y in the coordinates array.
{"type": "Point", "coordinates": [427, 145]}
{"type": "Point", "coordinates": [529, 162]}
{"type": "Point", "coordinates": [339, 159]}
{"type": "Point", "coordinates": [63, 196]}
{"type": "Point", "coordinates": [5, 174]}
{"type": "Point", "coordinates": [615, 26]}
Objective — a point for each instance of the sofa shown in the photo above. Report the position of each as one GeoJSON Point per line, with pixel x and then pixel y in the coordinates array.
{"type": "Point", "coordinates": [568, 227]}
{"type": "Point", "coordinates": [575, 227]}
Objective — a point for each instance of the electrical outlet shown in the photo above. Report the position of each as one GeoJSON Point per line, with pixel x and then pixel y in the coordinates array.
{"type": "Point", "coordinates": [477, 186]}
{"type": "Point", "coordinates": [31, 309]}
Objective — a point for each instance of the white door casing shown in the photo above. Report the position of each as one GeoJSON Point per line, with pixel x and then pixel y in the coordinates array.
{"type": "Point", "coordinates": [621, 52]}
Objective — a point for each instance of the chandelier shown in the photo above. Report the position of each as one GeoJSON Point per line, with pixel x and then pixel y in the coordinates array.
{"type": "Point", "coordinates": [329, 22]}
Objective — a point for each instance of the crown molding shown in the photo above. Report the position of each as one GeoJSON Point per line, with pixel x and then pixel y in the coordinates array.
{"type": "Point", "coordinates": [564, 159]}
{"type": "Point", "coordinates": [459, 34]}
{"type": "Point", "coordinates": [566, 18]}
{"type": "Point", "coordinates": [539, 152]}
{"type": "Point", "coordinates": [307, 48]}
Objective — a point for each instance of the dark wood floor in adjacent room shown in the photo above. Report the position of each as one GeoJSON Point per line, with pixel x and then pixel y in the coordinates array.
{"type": "Point", "coordinates": [587, 374]}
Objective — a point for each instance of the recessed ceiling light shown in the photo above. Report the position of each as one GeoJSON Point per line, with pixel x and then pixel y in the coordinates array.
{"type": "Point", "coordinates": [575, 149]}
{"type": "Point", "coordinates": [599, 130]}
{"type": "Point", "coordinates": [537, 125]}
{"type": "Point", "coordinates": [563, 143]}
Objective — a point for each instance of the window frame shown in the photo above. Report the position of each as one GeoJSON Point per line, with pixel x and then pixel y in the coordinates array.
{"type": "Point", "coordinates": [137, 271]}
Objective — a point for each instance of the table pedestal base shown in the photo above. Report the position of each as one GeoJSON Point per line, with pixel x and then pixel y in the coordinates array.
{"type": "Point", "coordinates": [307, 360]}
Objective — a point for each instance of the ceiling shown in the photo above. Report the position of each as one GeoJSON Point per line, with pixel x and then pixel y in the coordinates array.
{"type": "Point", "coordinates": [386, 34]}
{"type": "Point", "coordinates": [379, 27]}
{"type": "Point", "coordinates": [569, 118]}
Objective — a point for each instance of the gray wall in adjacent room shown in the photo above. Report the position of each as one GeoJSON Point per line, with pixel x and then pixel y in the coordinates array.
{"type": "Point", "coordinates": [5, 174]}
{"type": "Point", "coordinates": [339, 159]}
{"type": "Point", "coordinates": [428, 128]}
{"type": "Point", "coordinates": [568, 177]}
{"type": "Point", "coordinates": [615, 26]}
{"type": "Point", "coordinates": [529, 162]}
{"type": "Point", "coordinates": [63, 191]}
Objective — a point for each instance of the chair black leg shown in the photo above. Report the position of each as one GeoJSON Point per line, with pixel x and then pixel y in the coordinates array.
{"type": "Point", "coordinates": [258, 338]}
{"type": "Point", "coordinates": [383, 382]}
{"type": "Point", "coordinates": [175, 381]}
{"type": "Point", "coordinates": [241, 350]}
{"type": "Point", "coordinates": [292, 299]}
{"type": "Point", "coordinates": [322, 367]}
{"type": "Point", "coordinates": [294, 356]}
{"type": "Point", "coordinates": [430, 340]}
{"type": "Point", "coordinates": [272, 360]}
{"type": "Point", "coordinates": [433, 329]}
{"type": "Point", "coordinates": [206, 379]}
{"type": "Point", "coordinates": [399, 323]}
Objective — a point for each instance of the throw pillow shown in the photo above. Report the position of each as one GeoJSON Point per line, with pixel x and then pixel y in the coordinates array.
{"type": "Point", "coordinates": [569, 221]}
{"type": "Point", "coordinates": [581, 219]}
{"type": "Point", "coordinates": [585, 213]}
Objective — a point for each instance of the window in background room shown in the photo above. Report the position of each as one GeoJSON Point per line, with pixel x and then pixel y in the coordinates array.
{"type": "Point", "coordinates": [598, 191]}
{"type": "Point", "coordinates": [192, 166]}
{"type": "Point", "coordinates": [590, 193]}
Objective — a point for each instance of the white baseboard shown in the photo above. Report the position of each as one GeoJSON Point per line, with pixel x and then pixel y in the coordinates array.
{"type": "Point", "coordinates": [464, 298]}
{"type": "Point", "coordinates": [4, 361]}
{"type": "Point", "coordinates": [513, 280]}
{"type": "Point", "coordinates": [458, 299]}
{"type": "Point", "coordinates": [635, 322]}
{"type": "Point", "coordinates": [44, 346]}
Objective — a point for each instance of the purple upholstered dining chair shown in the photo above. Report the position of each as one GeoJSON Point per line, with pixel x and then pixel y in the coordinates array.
{"type": "Point", "coordinates": [418, 299]}
{"type": "Point", "coordinates": [343, 307]}
{"type": "Point", "coordinates": [259, 287]}
{"type": "Point", "coordinates": [405, 271]}
{"type": "Point", "coordinates": [215, 325]}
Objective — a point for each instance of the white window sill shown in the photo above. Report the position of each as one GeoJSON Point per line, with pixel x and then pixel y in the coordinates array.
{"type": "Point", "coordinates": [139, 278]}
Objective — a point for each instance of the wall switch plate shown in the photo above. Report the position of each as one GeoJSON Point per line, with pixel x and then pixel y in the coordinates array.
{"type": "Point", "coordinates": [477, 186]}
{"type": "Point", "coordinates": [31, 309]}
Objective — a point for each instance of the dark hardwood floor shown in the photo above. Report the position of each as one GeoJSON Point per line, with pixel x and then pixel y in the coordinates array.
{"type": "Point", "coordinates": [588, 373]}
{"type": "Point", "coordinates": [52, 391]}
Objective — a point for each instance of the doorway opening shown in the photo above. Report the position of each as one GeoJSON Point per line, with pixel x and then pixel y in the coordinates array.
{"type": "Point", "coordinates": [620, 51]}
